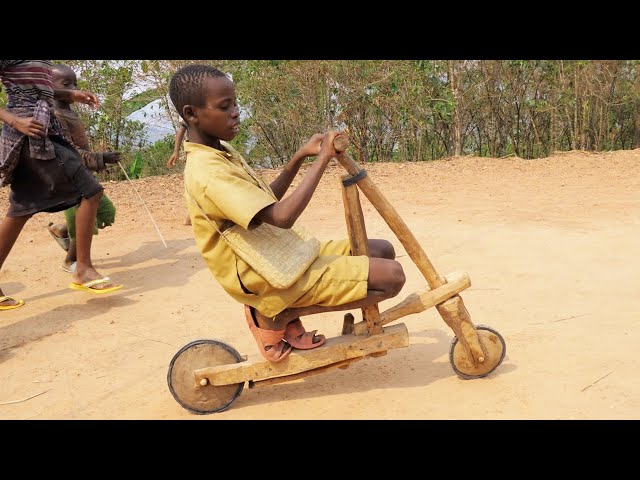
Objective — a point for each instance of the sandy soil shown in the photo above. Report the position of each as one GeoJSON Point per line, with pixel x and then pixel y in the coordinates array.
{"type": "Point", "coordinates": [550, 245]}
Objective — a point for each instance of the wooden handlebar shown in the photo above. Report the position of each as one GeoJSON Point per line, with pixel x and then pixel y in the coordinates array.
{"type": "Point", "coordinates": [389, 215]}
{"type": "Point", "coordinates": [341, 143]}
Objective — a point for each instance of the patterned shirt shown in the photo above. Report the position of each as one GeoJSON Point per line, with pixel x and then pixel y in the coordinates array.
{"type": "Point", "coordinates": [29, 89]}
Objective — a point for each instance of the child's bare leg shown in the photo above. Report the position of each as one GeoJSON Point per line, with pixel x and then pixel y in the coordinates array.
{"type": "Point", "coordinates": [85, 220]}
{"type": "Point", "coordinates": [62, 231]}
{"type": "Point", "coordinates": [386, 279]}
{"type": "Point", "coordinates": [72, 255]}
{"type": "Point", "coordinates": [10, 229]}
{"type": "Point", "coordinates": [59, 229]}
{"type": "Point", "coordinates": [381, 249]}
{"type": "Point", "coordinates": [187, 220]}
{"type": "Point", "coordinates": [378, 248]}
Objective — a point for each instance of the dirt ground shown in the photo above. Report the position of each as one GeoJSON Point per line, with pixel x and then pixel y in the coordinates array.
{"type": "Point", "coordinates": [550, 245]}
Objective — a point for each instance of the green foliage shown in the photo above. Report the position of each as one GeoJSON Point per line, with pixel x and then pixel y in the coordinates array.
{"type": "Point", "coordinates": [111, 81]}
{"type": "Point", "coordinates": [135, 169]}
{"type": "Point", "coordinates": [392, 109]}
{"type": "Point", "coordinates": [156, 157]}
{"type": "Point", "coordinates": [149, 160]}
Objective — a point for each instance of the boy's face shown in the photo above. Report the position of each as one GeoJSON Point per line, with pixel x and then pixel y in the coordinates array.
{"type": "Point", "coordinates": [219, 117]}
{"type": "Point", "coordinates": [64, 78]}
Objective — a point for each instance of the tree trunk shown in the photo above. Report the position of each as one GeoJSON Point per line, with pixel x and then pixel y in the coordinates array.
{"type": "Point", "coordinates": [636, 86]}
{"type": "Point", "coordinates": [457, 126]}
{"type": "Point", "coordinates": [576, 127]}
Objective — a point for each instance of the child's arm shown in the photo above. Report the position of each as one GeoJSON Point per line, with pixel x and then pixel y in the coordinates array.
{"type": "Point", "coordinates": [92, 160]}
{"type": "Point", "coordinates": [97, 161]}
{"type": "Point", "coordinates": [284, 213]}
{"type": "Point", "coordinates": [74, 131]}
{"type": "Point", "coordinates": [28, 125]}
{"type": "Point", "coordinates": [73, 96]}
{"type": "Point", "coordinates": [176, 149]}
{"type": "Point", "coordinates": [310, 149]}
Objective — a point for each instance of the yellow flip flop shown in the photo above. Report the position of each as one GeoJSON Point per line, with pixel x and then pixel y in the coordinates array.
{"type": "Point", "coordinates": [88, 286]}
{"type": "Point", "coordinates": [10, 307]}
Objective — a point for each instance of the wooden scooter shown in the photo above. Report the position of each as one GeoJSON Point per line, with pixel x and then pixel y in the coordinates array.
{"type": "Point", "coordinates": [207, 376]}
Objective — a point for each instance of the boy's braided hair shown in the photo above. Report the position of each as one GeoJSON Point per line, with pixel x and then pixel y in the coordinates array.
{"type": "Point", "coordinates": [187, 85]}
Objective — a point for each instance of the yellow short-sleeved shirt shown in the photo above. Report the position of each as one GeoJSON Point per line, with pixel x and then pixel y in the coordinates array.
{"type": "Point", "coordinates": [226, 188]}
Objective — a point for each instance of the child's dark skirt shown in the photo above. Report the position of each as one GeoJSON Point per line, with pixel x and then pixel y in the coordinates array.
{"type": "Point", "coordinates": [50, 185]}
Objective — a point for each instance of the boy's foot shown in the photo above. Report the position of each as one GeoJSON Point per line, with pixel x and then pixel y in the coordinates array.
{"type": "Point", "coordinates": [68, 267]}
{"type": "Point", "coordinates": [9, 303]}
{"type": "Point", "coordinates": [298, 337]}
{"type": "Point", "coordinates": [59, 233]}
{"type": "Point", "coordinates": [270, 342]}
{"type": "Point", "coordinates": [92, 286]}
{"type": "Point", "coordinates": [91, 280]}
{"type": "Point", "coordinates": [187, 221]}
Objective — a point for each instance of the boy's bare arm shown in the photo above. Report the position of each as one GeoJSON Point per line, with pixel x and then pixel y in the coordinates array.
{"type": "Point", "coordinates": [284, 213]}
{"type": "Point", "coordinates": [176, 148]}
{"type": "Point", "coordinates": [73, 96]}
{"type": "Point", "coordinates": [281, 184]}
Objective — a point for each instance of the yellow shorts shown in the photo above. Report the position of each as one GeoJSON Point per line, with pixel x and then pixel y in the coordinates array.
{"type": "Point", "coordinates": [334, 278]}
{"type": "Point", "coordinates": [344, 280]}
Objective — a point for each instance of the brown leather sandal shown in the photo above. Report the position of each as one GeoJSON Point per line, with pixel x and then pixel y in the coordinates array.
{"type": "Point", "coordinates": [298, 337]}
{"type": "Point", "coordinates": [268, 338]}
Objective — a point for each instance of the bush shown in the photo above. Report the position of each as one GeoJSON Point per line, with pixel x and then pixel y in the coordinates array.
{"type": "Point", "coordinates": [152, 160]}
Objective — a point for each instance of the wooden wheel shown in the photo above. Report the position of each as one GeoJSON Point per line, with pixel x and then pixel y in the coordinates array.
{"type": "Point", "coordinates": [193, 356]}
{"type": "Point", "coordinates": [492, 343]}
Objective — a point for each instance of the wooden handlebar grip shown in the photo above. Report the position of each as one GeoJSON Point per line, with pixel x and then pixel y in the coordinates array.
{"type": "Point", "coordinates": [341, 143]}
